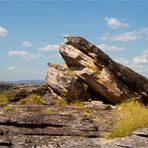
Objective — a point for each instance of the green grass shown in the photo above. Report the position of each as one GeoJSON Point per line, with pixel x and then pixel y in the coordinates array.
{"type": "Point", "coordinates": [33, 99]}
{"type": "Point", "coordinates": [8, 108]}
{"type": "Point", "coordinates": [133, 115]}
{"type": "Point", "coordinates": [3, 99]}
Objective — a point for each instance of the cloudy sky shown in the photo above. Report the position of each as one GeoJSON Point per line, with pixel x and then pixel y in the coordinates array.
{"type": "Point", "coordinates": [30, 33]}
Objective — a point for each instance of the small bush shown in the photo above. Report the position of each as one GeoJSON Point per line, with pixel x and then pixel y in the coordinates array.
{"type": "Point", "coordinates": [3, 99]}
{"type": "Point", "coordinates": [8, 108]}
{"type": "Point", "coordinates": [33, 99]}
{"type": "Point", "coordinates": [133, 115]}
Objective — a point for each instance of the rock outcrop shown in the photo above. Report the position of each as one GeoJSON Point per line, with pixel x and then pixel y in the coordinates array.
{"type": "Point", "coordinates": [21, 92]}
{"type": "Point", "coordinates": [138, 139]}
{"type": "Point", "coordinates": [52, 126]}
{"type": "Point", "coordinates": [113, 81]}
{"type": "Point", "coordinates": [63, 127]}
{"type": "Point", "coordinates": [65, 83]}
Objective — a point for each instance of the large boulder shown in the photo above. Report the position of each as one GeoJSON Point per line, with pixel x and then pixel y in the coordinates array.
{"type": "Point", "coordinates": [100, 72]}
{"type": "Point", "coordinates": [65, 83]}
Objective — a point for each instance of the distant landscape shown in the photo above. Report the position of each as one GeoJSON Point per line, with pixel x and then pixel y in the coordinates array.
{"type": "Point", "coordinates": [25, 82]}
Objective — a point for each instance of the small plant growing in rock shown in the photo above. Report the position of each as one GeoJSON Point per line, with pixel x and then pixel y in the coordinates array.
{"type": "Point", "coordinates": [34, 99]}
{"type": "Point", "coordinates": [133, 115]}
{"type": "Point", "coordinates": [8, 108]}
{"type": "Point", "coordinates": [3, 99]}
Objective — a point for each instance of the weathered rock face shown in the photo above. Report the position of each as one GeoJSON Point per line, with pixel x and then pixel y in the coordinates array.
{"type": "Point", "coordinates": [113, 81]}
{"type": "Point", "coordinates": [21, 92]}
{"type": "Point", "coordinates": [139, 139]}
{"type": "Point", "coordinates": [65, 83]}
{"type": "Point", "coordinates": [52, 126]}
{"type": "Point", "coordinates": [66, 127]}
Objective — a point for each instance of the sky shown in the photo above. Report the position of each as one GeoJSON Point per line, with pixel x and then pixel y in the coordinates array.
{"type": "Point", "coordinates": [31, 31]}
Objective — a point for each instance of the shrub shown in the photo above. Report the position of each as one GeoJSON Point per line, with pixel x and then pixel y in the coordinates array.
{"type": "Point", "coordinates": [3, 99]}
{"type": "Point", "coordinates": [33, 99]}
{"type": "Point", "coordinates": [8, 108]}
{"type": "Point", "coordinates": [133, 115]}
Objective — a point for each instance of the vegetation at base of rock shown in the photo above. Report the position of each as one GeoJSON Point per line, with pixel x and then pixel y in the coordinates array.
{"type": "Point", "coordinates": [49, 111]}
{"type": "Point", "coordinates": [22, 102]}
{"type": "Point", "coordinates": [77, 103]}
{"type": "Point", "coordinates": [133, 115]}
{"type": "Point", "coordinates": [61, 101]}
{"type": "Point", "coordinates": [31, 99]}
{"type": "Point", "coordinates": [3, 99]}
{"type": "Point", "coordinates": [8, 108]}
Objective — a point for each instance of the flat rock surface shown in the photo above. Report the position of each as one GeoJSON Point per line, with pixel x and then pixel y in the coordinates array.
{"type": "Point", "coordinates": [50, 126]}
{"type": "Point", "coordinates": [55, 126]}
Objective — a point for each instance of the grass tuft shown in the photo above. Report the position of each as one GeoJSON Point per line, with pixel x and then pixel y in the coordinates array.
{"type": "Point", "coordinates": [3, 99]}
{"type": "Point", "coordinates": [33, 99]}
{"type": "Point", "coordinates": [8, 108]}
{"type": "Point", "coordinates": [133, 115]}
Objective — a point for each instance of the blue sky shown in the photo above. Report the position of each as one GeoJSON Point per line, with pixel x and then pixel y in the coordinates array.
{"type": "Point", "coordinates": [30, 33]}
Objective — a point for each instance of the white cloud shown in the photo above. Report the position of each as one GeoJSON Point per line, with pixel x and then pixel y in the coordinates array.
{"type": "Point", "coordinates": [3, 32]}
{"type": "Point", "coordinates": [122, 61]}
{"type": "Point", "coordinates": [26, 44]}
{"type": "Point", "coordinates": [115, 23]}
{"type": "Point", "coordinates": [142, 59]}
{"type": "Point", "coordinates": [107, 47]}
{"type": "Point", "coordinates": [139, 66]}
{"type": "Point", "coordinates": [128, 36]}
{"type": "Point", "coordinates": [12, 68]}
{"type": "Point", "coordinates": [49, 48]}
{"type": "Point", "coordinates": [24, 55]}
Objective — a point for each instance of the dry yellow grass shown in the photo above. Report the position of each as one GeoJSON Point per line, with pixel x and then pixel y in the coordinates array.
{"type": "Point", "coordinates": [8, 108]}
{"type": "Point", "coordinates": [3, 99]}
{"type": "Point", "coordinates": [33, 99]}
{"type": "Point", "coordinates": [133, 115]}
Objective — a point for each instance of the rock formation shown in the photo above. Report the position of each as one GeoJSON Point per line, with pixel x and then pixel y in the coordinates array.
{"type": "Point", "coordinates": [65, 83]}
{"type": "Point", "coordinates": [63, 127]}
{"type": "Point", "coordinates": [88, 74]}
{"type": "Point", "coordinates": [21, 92]}
{"type": "Point", "coordinates": [111, 80]}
